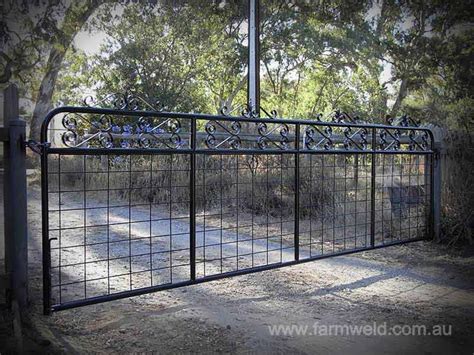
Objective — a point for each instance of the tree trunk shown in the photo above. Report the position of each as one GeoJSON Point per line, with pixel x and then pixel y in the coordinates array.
{"type": "Point", "coordinates": [402, 93]}
{"type": "Point", "coordinates": [76, 16]}
{"type": "Point", "coordinates": [229, 101]}
{"type": "Point", "coordinates": [44, 99]}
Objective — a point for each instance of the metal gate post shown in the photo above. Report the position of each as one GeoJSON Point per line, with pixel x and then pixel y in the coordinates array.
{"type": "Point", "coordinates": [15, 206]}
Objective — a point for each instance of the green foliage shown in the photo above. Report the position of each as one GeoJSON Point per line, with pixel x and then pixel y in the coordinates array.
{"type": "Point", "coordinates": [155, 54]}
{"type": "Point", "coordinates": [315, 57]}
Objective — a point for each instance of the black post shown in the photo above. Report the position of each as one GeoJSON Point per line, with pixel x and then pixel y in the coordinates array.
{"type": "Point", "coordinates": [253, 87]}
{"type": "Point", "coordinates": [16, 234]}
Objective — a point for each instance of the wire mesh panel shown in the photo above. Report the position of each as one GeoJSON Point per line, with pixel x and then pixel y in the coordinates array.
{"type": "Point", "coordinates": [345, 203]}
{"type": "Point", "coordinates": [140, 201]}
{"type": "Point", "coordinates": [245, 212]}
{"type": "Point", "coordinates": [117, 223]}
{"type": "Point", "coordinates": [402, 197]}
{"type": "Point", "coordinates": [335, 203]}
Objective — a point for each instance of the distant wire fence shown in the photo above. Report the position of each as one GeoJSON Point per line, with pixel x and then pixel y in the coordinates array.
{"type": "Point", "coordinates": [136, 201]}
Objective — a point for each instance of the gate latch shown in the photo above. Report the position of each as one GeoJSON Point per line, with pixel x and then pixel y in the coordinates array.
{"type": "Point", "coordinates": [36, 146]}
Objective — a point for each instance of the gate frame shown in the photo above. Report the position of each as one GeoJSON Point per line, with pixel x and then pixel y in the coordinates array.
{"type": "Point", "coordinates": [193, 151]}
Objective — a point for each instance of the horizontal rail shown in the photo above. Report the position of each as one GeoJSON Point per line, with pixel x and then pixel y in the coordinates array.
{"type": "Point", "coordinates": [146, 151]}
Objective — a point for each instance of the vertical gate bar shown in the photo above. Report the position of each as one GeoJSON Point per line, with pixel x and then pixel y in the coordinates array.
{"type": "Point", "coordinates": [192, 206]}
{"type": "Point", "coordinates": [297, 192]}
{"type": "Point", "coordinates": [45, 234]}
{"type": "Point", "coordinates": [372, 191]}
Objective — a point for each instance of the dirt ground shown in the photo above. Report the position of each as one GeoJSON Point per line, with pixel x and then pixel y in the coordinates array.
{"type": "Point", "coordinates": [415, 284]}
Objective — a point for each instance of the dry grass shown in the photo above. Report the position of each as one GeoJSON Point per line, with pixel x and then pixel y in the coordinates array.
{"type": "Point", "coordinates": [457, 189]}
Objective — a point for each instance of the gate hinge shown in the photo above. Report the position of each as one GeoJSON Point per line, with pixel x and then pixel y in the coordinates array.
{"type": "Point", "coordinates": [36, 147]}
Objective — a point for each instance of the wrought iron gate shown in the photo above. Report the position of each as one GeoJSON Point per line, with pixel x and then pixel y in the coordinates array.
{"type": "Point", "coordinates": [136, 201]}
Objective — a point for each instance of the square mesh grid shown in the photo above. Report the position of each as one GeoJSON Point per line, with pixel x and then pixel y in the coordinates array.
{"type": "Point", "coordinates": [120, 223]}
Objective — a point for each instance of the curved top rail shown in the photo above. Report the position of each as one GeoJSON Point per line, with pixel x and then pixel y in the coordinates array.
{"type": "Point", "coordinates": [148, 125]}
{"type": "Point", "coordinates": [202, 116]}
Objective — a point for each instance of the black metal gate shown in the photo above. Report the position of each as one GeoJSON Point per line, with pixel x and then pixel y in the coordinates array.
{"type": "Point", "coordinates": [137, 201]}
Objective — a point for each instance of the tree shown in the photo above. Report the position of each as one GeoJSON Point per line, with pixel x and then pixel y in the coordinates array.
{"type": "Point", "coordinates": [75, 18]}
{"type": "Point", "coordinates": [411, 36]}
{"type": "Point", "coordinates": [197, 67]}
{"type": "Point", "coordinates": [32, 32]}
{"type": "Point", "coordinates": [316, 57]}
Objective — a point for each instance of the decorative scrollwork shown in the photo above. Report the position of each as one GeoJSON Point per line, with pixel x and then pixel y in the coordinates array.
{"type": "Point", "coordinates": [100, 130]}
{"type": "Point", "coordinates": [246, 111]}
{"type": "Point", "coordinates": [341, 116]}
{"type": "Point", "coordinates": [165, 134]}
{"type": "Point", "coordinates": [229, 111]}
{"type": "Point", "coordinates": [395, 139]}
{"type": "Point", "coordinates": [320, 137]}
{"type": "Point", "coordinates": [389, 140]}
{"type": "Point", "coordinates": [338, 116]}
{"type": "Point", "coordinates": [106, 131]}
{"type": "Point", "coordinates": [419, 140]}
{"type": "Point", "coordinates": [267, 136]}
{"type": "Point", "coordinates": [83, 130]}
{"type": "Point", "coordinates": [120, 128]}
{"type": "Point", "coordinates": [232, 131]}
{"type": "Point", "coordinates": [271, 114]}
{"type": "Point", "coordinates": [249, 112]}
{"type": "Point", "coordinates": [355, 138]}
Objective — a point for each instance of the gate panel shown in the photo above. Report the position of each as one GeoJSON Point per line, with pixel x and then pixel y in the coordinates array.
{"type": "Point", "coordinates": [336, 204]}
{"type": "Point", "coordinates": [117, 223]}
{"type": "Point", "coordinates": [246, 212]}
{"type": "Point", "coordinates": [402, 197]}
{"type": "Point", "coordinates": [140, 201]}
{"type": "Point", "coordinates": [340, 192]}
